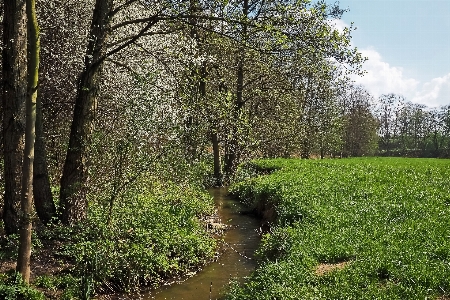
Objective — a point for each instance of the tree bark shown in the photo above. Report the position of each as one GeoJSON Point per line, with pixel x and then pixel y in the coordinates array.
{"type": "Point", "coordinates": [43, 198]}
{"type": "Point", "coordinates": [216, 154]}
{"type": "Point", "coordinates": [73, 204]}
{"type": "Point", "coordinates": [232, 150]}
{"type": "Point", "coordinates": [24, 255]}
{"type": "Point", "coordinates": [13, 103]}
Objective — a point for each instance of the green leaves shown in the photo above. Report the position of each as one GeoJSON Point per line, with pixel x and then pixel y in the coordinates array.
{"type": "Point", "coordinates": [155, 232]}
{"type": "Point", "coordinates": [12, 287]}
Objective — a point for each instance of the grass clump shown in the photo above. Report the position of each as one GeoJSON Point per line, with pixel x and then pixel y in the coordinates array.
{"type": "Point", "coordinates": [379, 227]}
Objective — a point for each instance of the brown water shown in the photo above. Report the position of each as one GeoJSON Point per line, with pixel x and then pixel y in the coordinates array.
{"type": "Point", "coordinates": [236, 262]}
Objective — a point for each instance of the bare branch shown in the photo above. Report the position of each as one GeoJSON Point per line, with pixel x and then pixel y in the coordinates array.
{"type": "Point", "coordinates": [119, 8]}
{"type": "Point", "coordinates": [150, 24]}
{"type": "Point", "coordinates": [135, 21]}
{"type": "Point", "coordinates": [122, 65]}
{"type": "Point", "coordinates": [145, 34]}
{"type": "Point", "coordinates": [182, 17]}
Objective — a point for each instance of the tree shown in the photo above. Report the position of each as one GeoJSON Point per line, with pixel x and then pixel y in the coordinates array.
{"type": "Point", "coordinates": [13, 102]}
{"type": "Point", "coordinates": [435, 133]}
{"type": "Point", "coordinates": [232, 150]}
{"type": "Point", "coordinates": [445, 123]}
{"type": "Point", "coordinates": [403, 123]}
{"type": "Point", "coordinates": [117, 26]}
{"type": "Point", "coordinates": [360, 125]}
{"type": "Point", "coordinates": [42, 194]}
{"type": "Point", "coordinates": [388, 116]}
{"type": "Point", "coordinates": [24, 255]}
{"type": "Point", "coordinates": [63, 44]}
{"type": "Point", "coordinates": [72, 191]}
{"type": "Point", "coordinates": [104, 43]}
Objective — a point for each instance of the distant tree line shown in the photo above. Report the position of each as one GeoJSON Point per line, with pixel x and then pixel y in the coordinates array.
{"type": "Point", "coordinates": [411, 129]}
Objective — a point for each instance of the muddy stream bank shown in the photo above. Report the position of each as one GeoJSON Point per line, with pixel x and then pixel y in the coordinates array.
{"type": "Point", "coordinates": [237, 261]}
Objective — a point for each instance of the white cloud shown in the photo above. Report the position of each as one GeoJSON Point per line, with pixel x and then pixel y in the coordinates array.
{"type": "Point", "coordinates": [435, 92]}
{"type": "Point", "coordinates": [382, 78]}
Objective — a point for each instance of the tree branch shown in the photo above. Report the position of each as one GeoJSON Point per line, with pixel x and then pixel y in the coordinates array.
{"type": "Point", "coordinates": [136, 21]}
{"type": "Point", "coordinates": [145, 34]}
{"type": "Point", "coordinates": [125, 66]}
{"type": "Point", "coordinates": [131, 41]}
{"type": "Point", "coordinates": [183, 17]}
{"type": "Point", "coordinates": [115, 11]}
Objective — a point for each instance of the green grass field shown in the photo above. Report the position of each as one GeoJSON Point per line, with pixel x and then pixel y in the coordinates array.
{"type": "Point", "coordinates": [370, 228]}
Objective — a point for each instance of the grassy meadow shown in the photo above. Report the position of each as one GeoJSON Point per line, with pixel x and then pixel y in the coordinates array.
{"type": "Point", "coordinates": [367, 228]}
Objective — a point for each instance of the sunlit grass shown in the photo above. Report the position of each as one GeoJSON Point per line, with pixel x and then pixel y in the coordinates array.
{"type": "Point", "coordinates": [388, 218]}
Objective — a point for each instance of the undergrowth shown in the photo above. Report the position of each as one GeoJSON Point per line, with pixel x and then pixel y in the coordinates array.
{"type": "Point", "coordinates": [151, 233]}
{"type": "Point", "coordinates": [13, 288]}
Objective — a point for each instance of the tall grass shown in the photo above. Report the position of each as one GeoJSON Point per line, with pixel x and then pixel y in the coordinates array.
{"type": "Point", "coordinates": [386, 219]}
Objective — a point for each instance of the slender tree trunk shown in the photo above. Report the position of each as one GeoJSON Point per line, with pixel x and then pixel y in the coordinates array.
{"type": "Point", "coordinates": [216, 153]}
{"type": "Point", "coordinates": [216, 149]}
{"type": "Point", "coordinates": [232, 150]}
{"type": "Point", "coordinates": [308, 108]}
{"type": "Point", "coordinates": [198, 88]}
{"type": "Point", "coordinates": [305, 147]}
{"type": "Point", "coordinates": [436, 144]}
{"type": "Point", "coordinates": [43, 198]}
{"type": "Point", "coordinates": [13, 103]}
{"type": "Point", "coordinates": [73, 204]}
{"type": "Point", "coordinates": [24, 255]}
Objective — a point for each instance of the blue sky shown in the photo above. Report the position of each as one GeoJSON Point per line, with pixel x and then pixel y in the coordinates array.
{"type": "Point", "coordinates": [408, 46]}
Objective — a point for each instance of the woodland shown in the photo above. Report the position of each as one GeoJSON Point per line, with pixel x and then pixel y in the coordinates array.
{"type": "Point", "coordinates": [117, 111]}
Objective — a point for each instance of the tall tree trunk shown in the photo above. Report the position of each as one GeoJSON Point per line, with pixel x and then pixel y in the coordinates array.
{"type": "Point", "coordinates": [13, 103]}
{"type": "Point", "coordinates": [198, 91]}
{"type": "Point", "coordinates": [43, 199]}
{"type": "Point", "coordinates": [73, 204]}
{"type": "Point", "coordinates": [216, 150]}
{"type": "Point", "coordinates": [24, 255]}
{"type": "Point", "coordinates": [231, 155]}
{"type": "Point", "coordinates": [216, 154]}
{"type": "Point", "coordinates": [232, 150]}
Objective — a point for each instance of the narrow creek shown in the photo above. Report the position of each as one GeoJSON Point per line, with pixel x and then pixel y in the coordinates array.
{"type": "Point", "coordinates": [236, 261]}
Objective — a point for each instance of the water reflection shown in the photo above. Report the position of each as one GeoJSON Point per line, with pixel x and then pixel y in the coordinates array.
{"type": "Point", "coordinates": [237, 261]}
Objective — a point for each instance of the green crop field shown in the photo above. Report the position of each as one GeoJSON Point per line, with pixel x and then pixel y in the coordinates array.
{"type": "Point", "coordinates": [370, 228]}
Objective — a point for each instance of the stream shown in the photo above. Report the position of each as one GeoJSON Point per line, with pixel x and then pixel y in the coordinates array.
{"type": "Point", "coordinates": [236, 261]}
